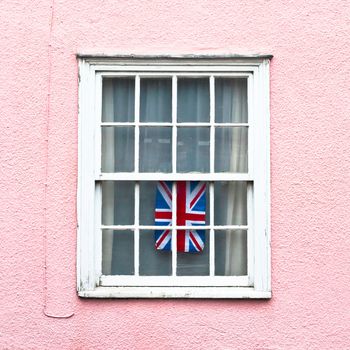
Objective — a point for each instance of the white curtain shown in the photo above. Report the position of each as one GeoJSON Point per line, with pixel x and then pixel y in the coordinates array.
{"type": "Point", "coordinates": [193, 156]}
{"type": "Point", "coordinates": [231, 155]}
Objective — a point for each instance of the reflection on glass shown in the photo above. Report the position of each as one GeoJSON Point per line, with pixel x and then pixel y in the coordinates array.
{"type": "Point", "coordinates": [153, 262]}
{"type": "Point", "coordinates": [118, 99]}
{"type": "Point", "coordinates": [194, 264]}
{"type": "Point", "coordinates": [117, 203]}
{"type": "Point", "coordinates": [231, 149]}
{"type": "Point", "coordinates": [231, 253]}
{"type": "Point", "coordinates": [230, 203]}
{"type": "Point", "coordinates": [118, 149]}
{"type": "Point", "coordinates": [193, 147]}
{"type": "Point", "coordinates": [231, 103]}
{"type": "Point", "coordinates": [155, 95]}
{"type": "Point", "coordinates": [117, 252]}
{"type": "Point", "coordinates": [193, 100]}
{"type": "Point", "coordinates": [155, 149]}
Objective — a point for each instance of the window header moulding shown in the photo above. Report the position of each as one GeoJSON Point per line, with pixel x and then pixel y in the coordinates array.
{"type": "Point", "coordinates": [163, 59]}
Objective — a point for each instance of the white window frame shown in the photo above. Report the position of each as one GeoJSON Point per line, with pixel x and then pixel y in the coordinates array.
{"type": "Point", "coordinates": [90, 281]}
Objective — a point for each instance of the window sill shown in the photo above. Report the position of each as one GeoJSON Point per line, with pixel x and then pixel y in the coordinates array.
{"type": "Point", "coordinates": [176, 292]}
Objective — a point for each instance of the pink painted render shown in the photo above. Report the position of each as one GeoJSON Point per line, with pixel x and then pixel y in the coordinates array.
{"type": "Point", "coordinates": [310, 173]}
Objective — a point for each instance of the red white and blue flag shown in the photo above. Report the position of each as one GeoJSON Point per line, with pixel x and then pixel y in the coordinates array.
{"type": "Point", "coordinates": [190, 212]}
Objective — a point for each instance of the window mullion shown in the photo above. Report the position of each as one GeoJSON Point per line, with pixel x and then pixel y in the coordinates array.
{"type": "Point", "coordinates": [174, 189]}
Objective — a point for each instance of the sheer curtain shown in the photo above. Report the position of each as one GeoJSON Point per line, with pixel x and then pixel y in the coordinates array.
{"type": "Point", "coordinates": [193, 147]}
{"type": "Point", "coordinates": [231, 106]}
{"type": "Point", "coordinates": [108, 195]}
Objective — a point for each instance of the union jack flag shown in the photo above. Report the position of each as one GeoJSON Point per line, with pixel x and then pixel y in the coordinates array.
{"type": "Point", "coordinates": [190, 212]}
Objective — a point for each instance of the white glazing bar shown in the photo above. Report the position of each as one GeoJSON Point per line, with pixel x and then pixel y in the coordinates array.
{"type": "Point", "coordinates": [153, 227]}
{"type": "Point", "coordinates": [106, 124]}
{"type": "Point", "coordinates": [174, 160]}
{"type": "Point", "coordinates": [136, 168]}
{"type": "Point", "coordinates": [174, 177]}
{"type": "Point", "coordinates": [212, 120]}
{"type": "Point", "coordinates": [174, 231]}
{"type": "Point", "coordinates": [211, 231]}
{"type": "Point", "coordinates": [137, 230]}
{"type": "Point", "coordinates": [137, 121]}
{"type": "Point", "coordinates": [174, 117]}
{"type": "Point", "coordinates": [212, 170]}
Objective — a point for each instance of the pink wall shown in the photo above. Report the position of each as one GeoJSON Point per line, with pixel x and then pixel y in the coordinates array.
{"type": "Point", "coordinates": [310, 152]}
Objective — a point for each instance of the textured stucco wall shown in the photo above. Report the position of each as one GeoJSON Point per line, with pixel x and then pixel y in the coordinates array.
{"type": "Point", "coordinates": [310, 152]}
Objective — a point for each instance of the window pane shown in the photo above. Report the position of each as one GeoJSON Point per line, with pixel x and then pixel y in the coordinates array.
{"type": "Point", "coordinates": [155, 102]}
{"type": "Point", "coordinates": [194, 264]}
{"type": "Point", "coordinates": [153, 262]}
{"type": "Point", "coordinates": [231, 104]}
{"type": "Point", "coordinates": [193, 100]}
{"type": "Point", "coordinates": [231, 149]}
{"type": "Point", "coordinates": [230, 202]}
{"type": "Point", "coordinates": [118, 203]}
{"type": "Point", "coordinates": [193, 149]}
{"type": "Point", "coordinates": [231, 253]}
{"type": "Point", "coordinates": [117, 252]}
{"type": "Point", "coordinates": [155, 149]}
{"type": "Point", "coordinates": [118, 149]}
{"type": "Point", "coordinates": [148, 190]}
{"type": "Point", "coordinates": [118, 100]}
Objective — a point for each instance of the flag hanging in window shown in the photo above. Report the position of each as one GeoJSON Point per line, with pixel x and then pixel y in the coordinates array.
{"type": "Point", "coordinates": [190, 211]}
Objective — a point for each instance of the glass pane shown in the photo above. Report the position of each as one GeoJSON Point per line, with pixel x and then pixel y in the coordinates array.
{"type": "Point", "coordinates": [193, 100]}
{"type": "Point", "coordinates": [118, 203]}
{"type": "Point", "coordinates": [231, 149]}
{"type": "Point", "coordinates": [155, 95]}
{"type": "Point", "coordinates": [230, 203]}
{"type": "Point", "coordinates": [231, 103]}
{"type": "Point", "coordinates": [117, 252]}
{"type": "Point", "coordinates": [148, 190]}
{"type": "Point", "coordinates": [193, 145]}
{"type": "Point", "coordinates": [118, 149]}
{"type": "Point", "coordinates": [231, 253]}
{"type": "Point", "coordinates": [118, 100]}
{"type": "Point", "coordinates": [153, 262]}
{"type": "Point", "coordinates": [155, 149]}
{"type": "Point", "coordinates": [191, 263]}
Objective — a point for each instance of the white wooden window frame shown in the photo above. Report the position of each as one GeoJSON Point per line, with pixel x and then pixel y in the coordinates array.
{"type": "Point", "coordinates": [90, 281]}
